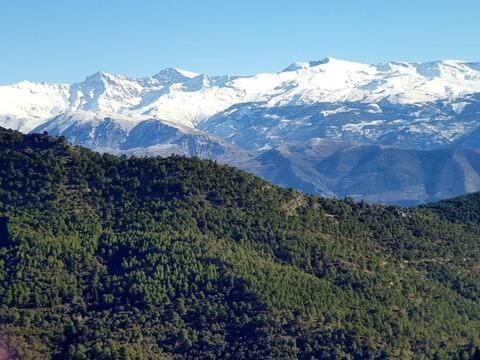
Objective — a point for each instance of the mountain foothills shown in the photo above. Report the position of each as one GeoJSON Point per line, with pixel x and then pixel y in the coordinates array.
{"type": "Point", "coordinates": [272, 123]}
{"type": "Point", "coordinates": [115, 257]}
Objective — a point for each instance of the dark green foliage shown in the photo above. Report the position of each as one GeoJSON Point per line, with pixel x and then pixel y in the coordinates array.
{"type": "Point", "coordinates": [476, 355]}
{"type": "Point", "coordinates": [106, 257]}
{"type": "Point", "coordinates": [464, 209]}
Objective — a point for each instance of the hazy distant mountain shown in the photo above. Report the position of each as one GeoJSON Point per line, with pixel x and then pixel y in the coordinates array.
{"type": "Point", "coordinates": [375, 173]}
{"type": "Point", "coordinates": [414, 106]}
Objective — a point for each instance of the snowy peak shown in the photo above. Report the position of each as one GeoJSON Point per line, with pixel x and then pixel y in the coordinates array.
{"type": "Point", "coordinates": [107, 80]}
{"type": "Point", "coordinates": [431, 69]}
{"type": "Point", "coordinates": [206, 81]}
{"type": "Point", "coordinates": [186, 73]}
{"type": "Point", "coordinates": [302, 65]}
{"type": "Point", "coordinates": [103, 77]}
{"type": "Point", "coordinates": [105, 92]}
{"type": "Point", "coordinates": [170, 76]}
{"type": "Point", "coordinates": [27, 104]}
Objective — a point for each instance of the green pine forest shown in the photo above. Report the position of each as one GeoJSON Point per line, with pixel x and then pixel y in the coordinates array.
{"type": "Point", "coordinates": [109, 257]}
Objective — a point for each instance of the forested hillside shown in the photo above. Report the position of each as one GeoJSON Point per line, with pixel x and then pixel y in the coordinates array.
{"type": "Point", "coordinates": [105, 257]}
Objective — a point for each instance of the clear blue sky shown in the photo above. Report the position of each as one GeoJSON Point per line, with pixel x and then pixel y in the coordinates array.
{"type": "Point", "coordinates": [65, 40]}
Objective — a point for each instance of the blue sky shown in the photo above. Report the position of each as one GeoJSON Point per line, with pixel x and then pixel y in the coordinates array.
{"type": "Point", "coordinates": [65, 40]}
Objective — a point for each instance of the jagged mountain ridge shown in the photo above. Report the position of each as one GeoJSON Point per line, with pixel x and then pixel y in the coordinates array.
{"type": "Point", "coordinates": [329, 81]}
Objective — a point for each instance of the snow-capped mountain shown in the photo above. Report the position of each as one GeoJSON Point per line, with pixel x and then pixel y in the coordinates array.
{"type": "Point", "coordinates": [26, 105]}
{"type": "Point", "coordinates": [236, 119]}
{"type": "Point", "coordinates": [139, 135]}
{"type": "Point", "coordinates": [189, 98]}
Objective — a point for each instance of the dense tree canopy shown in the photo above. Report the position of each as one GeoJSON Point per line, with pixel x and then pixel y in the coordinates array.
{"type": "Point", "coordinates": [105, 257]}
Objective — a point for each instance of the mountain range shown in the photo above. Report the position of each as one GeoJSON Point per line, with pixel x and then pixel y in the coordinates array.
{"type": "Point", "coordinates": [398, 132]}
